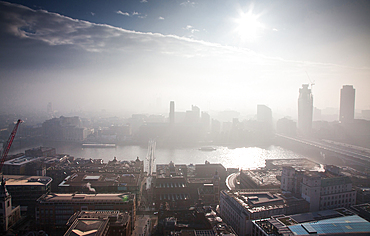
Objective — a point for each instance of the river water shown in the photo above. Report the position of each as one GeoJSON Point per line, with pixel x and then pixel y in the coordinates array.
{"type": "Point", "coordinates": [244, 157]}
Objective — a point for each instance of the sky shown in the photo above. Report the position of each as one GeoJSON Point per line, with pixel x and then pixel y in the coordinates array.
{"type": "Point", "coordinates": [217, 54]}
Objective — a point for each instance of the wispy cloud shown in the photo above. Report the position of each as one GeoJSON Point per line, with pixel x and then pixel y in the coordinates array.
{"type": "Point", "coordinates": [92, 13]}
{"type": "Point", "coordinates": [55, 29]}
{"type": "Point", "coordinates": [123, 13]}
{"type": "Point", "coordinates": [222, 74]}
{"type": "Point", "coordinates": [187, 3]}
{"type": "Point", "coordinates": [191, 29]}
{"type": "Point", "coordinates": [160, 18]}
{"type": "Point", "coordinates": [143, 1]}
{"type": "Point", "coordinates": [135, 13]}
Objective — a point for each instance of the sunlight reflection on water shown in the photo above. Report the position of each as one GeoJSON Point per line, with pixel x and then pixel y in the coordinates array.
{"type": "Point", "coordinates": [245, 157]}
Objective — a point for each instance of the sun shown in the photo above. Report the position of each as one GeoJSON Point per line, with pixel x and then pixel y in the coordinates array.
{"type": "Point", "coordinates": [248, 27]}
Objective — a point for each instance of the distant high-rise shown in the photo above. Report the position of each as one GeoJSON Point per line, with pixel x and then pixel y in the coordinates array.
{"type": "Point", "coordinates": [193, 116]}
{"type": "Point", "coordinates": [264, 114]}
{"type": "Point", "coordinates": [305, 107]}
{"type": "Point", "coordinates": [172, 112]}
{"type": "Point", "coordinates": [347, 104]}
{"type": "Point", "coordinates": [49, 110]}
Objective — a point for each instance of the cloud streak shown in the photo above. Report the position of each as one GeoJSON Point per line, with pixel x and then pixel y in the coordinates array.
{"type": "Point", "coordinates": [129, 59]}
{"type": "Point", "coordinates": [123, 13]}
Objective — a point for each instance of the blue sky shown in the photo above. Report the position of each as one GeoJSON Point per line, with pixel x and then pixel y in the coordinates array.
{"type": "Point", "coordinates": [125, 55]}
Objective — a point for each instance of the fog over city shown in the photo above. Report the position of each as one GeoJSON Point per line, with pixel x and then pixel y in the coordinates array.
{"type": "Point", "coordinates": [184, 117]}
{"type": "Point", "coordinates": [136, 56]}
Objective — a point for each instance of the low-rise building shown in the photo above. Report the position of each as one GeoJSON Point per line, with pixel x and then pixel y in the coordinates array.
{"type": "Point", "coordinates": [239, 208]}
{"type": "Point", "coordinates": [328, 222]}
{"type": "Point", "coordinates": [54, 210]}
{"type": "Point", "coordinates": [362, 210]}
{"type": "Point", "coordinates": [104, 223]}
{"type": "Point", "coordinates": [21, 166]}
{"type": "Point", "coordinates": [173, 191]}
{"type": "Point", "coordinates": [259, 179]}
{"type": "Point", "coordinates": [322, 189]}
{"type": "Point", "coordinates": [100, 183]}
{"type": "Point", "coordinates": [25, 190]}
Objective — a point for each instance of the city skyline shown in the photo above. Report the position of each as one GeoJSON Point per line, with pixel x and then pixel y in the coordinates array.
{"type": "Point", "coordinates": [126, 56]}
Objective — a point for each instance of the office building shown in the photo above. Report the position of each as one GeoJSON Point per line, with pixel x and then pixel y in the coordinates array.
{"type": "Point", "coordinates": [53, 210]}
{"type": "Point", "coordinates": [239, 208]}
{"type": "Point", "coordinates": [68, 129]}
{"type": "Point", "coordinates": [305, 108]}
{"type": "Point", "coordinates": [100, 183]}
{"type": "Point", "coordinates": [328, 222]}
{"type": "Point", "coordinates": [172, 112]}
{"type": "Point", "coordinates": [34, 186]}
{"type": "Point", "coordinates": [264, 114]}
{"type": "Point", "coordinates": [347, 104]}
{"type": "Point", "coordinates": [323, 190]}
{"type": "Point", "coordinates": [24, 165]}
{"type": "Point", "coordinates": [104, 223]}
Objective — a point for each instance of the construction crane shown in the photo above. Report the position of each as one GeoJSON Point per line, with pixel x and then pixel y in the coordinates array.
{"type": "Point", "coordinates": [9, 144]}
{"type": "Point", "coordinates": [311, 83]}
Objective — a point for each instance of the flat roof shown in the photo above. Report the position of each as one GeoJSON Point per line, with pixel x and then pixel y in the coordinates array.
{"type": "Point", "coordinates": [340, 225]}
{"type": "Point", "coordinates": [258, 201]}
{"type": "Point", "coordinates": [100, 179]}
{"type": "Point", "coordinates": [21, 160]}
{"type": "Point", "coordinates": [264, 177]}
{"type": "Point", "coordinates": [69, 197]}
{"type": "Point", "coordinates": [16, 180]}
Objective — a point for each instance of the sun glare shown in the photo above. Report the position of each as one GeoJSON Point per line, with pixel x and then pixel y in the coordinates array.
{"type": "Point", "coordinates": [248, 26]}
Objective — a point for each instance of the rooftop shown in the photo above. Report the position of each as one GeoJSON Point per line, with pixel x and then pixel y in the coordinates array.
{"type": "Point", "coordinates": [323, 222]}
{"type": "Point", "coordinates": [296, 163]}
{"type": "Point", "coordinates": [15, 180]}
{"type": "Point", "coordinates": [21, 160]}
{"type": "Point", "coordinates": [71, 197]}
{"type": "Point", "coordinates": [258, 201]}
{"type": "Point", "coordinates": [347, 224]}
{"type": "Point", "coordinates": [100, 179]}
{"type": "Point", "coordinates": [264, 177]}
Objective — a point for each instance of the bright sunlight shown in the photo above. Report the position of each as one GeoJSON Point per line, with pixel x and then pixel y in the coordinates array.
{"type": "Point", "coordinates": [248, 26]}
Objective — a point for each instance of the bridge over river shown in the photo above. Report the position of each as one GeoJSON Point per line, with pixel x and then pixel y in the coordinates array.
{"type": "Point", "coordinates": [345, 154]}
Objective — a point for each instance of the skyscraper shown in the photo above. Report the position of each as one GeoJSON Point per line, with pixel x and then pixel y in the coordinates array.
{"type": "Point", "coordinates": [305, 107]}
{"type": "Point", "coordinates": [264, 114]}
{"type": "Point", "coordinates": [172, 112]}
{"type": "Point", "coordinates": [347, 104]}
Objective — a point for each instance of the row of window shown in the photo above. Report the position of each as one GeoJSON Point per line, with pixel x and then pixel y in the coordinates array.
{"type": "Point", "coordinates": [339, 196]}
{"type": "Point", "coordinates": [171, 185]}
{"type": "Point", "coordinates": [331, 203]}
{"type": "Point", "coordinates": [173, 197]}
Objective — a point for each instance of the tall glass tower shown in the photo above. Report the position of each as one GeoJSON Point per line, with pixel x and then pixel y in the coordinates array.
{"type": "Point", "coordinates": [347, 104]}
{"type": "Point", "coordinates": [305, 108]}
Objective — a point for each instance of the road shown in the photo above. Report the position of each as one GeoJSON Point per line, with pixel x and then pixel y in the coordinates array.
{"type": "Point", "coordinates": [231, 181]}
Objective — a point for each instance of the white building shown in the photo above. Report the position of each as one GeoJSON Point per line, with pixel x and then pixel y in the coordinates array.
{"type": "Point", "coordinates": [323, 190]}
{"type": "Point", "coordinates": [239, 208]}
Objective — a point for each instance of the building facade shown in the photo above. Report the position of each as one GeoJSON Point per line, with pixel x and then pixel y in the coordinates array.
{"type": "Point", "coordinates": [34, 186]}
{"type": "Point", "coordinates": [104, 223]}
{"type": "Point", "coordinates": [305, 108]}
{"type": "Point", "coordinates": [323, 190]}
{"type": "Point", "coordinates": [347, 104]}
{"type": "Point", "coordinates": [54, 210]}
{"type": "Point", "coordinates": [239, 208]}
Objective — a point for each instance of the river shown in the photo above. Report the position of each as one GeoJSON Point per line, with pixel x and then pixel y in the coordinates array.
{"type": "Point", "coordinates": [242, 157]}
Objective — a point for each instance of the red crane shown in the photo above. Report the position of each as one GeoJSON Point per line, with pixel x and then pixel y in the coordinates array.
{"type": "Point", "coordinates": [9, 144]}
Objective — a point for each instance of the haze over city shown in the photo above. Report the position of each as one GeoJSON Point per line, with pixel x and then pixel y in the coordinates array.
{"type": "Point", "coordinates": [138, 55]}
{"type": "Point", "coordinates": [184, 117]}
